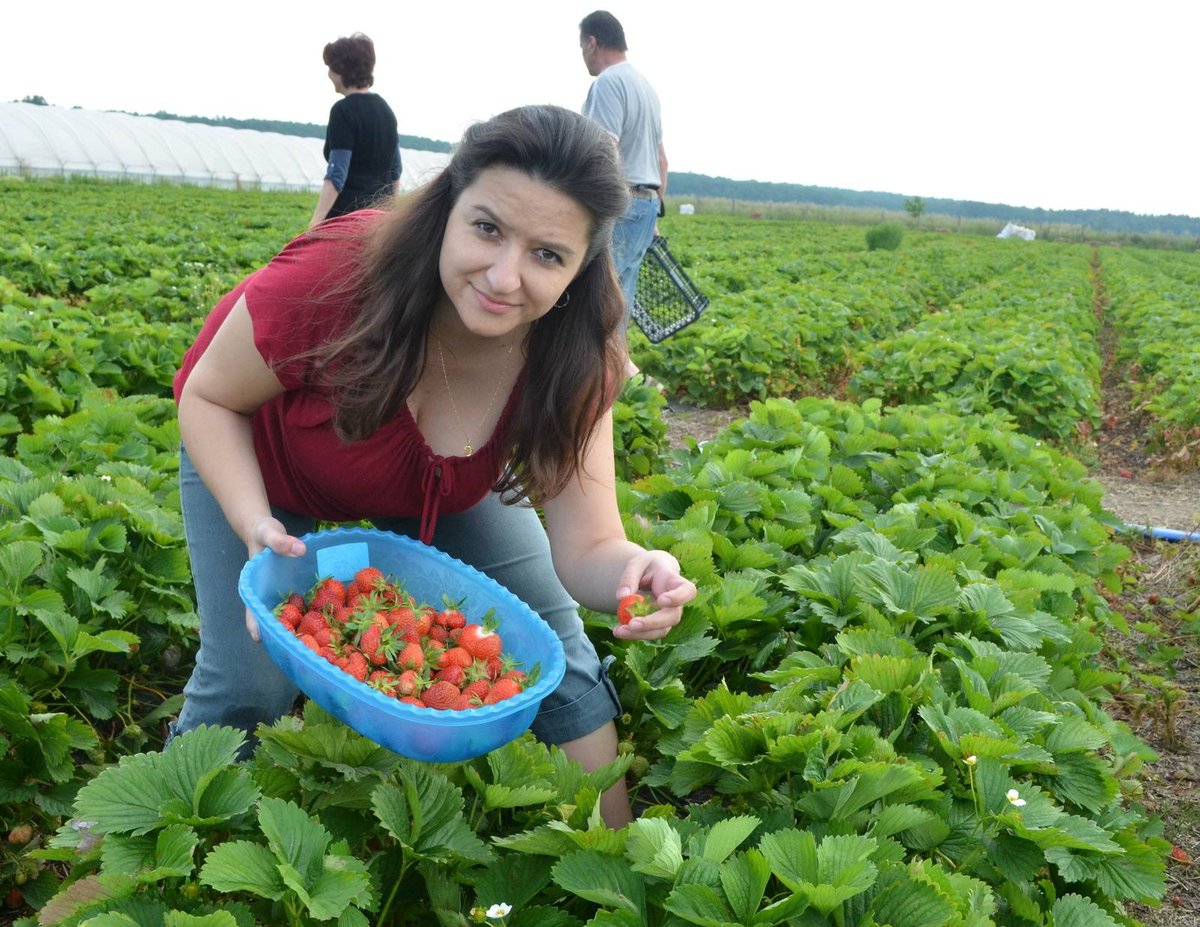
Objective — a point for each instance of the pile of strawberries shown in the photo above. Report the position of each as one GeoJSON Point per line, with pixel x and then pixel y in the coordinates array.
{"type": "Point", "coordinates": [416, 653]}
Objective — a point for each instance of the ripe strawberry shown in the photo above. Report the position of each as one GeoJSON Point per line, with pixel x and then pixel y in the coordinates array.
{"type": "Point", "coordinates": [455, 656]}
{"type": "Point", "coordinates": [477, 689]}
{"type": "Point", "coordinates": [453, 674]}
{"type": "Point", "coordinates": [482, 644]}
{"type": "Point", "coordinates": [441, 695]}
{"type": "Point", "coordinates": [401, 618]}
{"type": "Point", "coordinates": [411, 700]}
{"type": "Point", "coordinates": [308, 641]}
{"type": "Point", "coordinates": [463, 703]}
{"type": "Point", "coordinates": [371, 644]}
{"type": "Point", "coordinates": [311, 622]}
{"type": "Point", "coordinates": [356, 666]}
{"type": "Point", "coordinates": [450, 618]}
{"type": "Point", "coordinates": [423, 621]}
{"type": "Point", "coordinates": [411, 657]}
{"type": "Point", "coordinates": [20, 835]}
{"type": "Point", "coordinates": [298, 600]}
{"type": "Point", "coordinates": [14, 899]}
{"type": "Point", "coordinates": [329, 592]}
{"type": "Point", "coordinates": [439, 633]}
{"type": "Point", "coordinates": [501, 690]}
{"type": "Point", "coordinates": [634, 605]}
{"type": "Point", "coordinates": [323, 636]}
{"type": "Point", "coordinates": [409, 683]}
{"type": "Point", "coordinates": [383, 681]}
{"type": "Point", "coordinates": [369, 579]}
{"type": "Point", "coordinates": [289, 615]}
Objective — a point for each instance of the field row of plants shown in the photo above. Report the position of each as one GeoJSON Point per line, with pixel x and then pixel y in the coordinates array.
{"type": "Point", "coordinates": [1024, 341]}
{"type": "Point", "coordinates": [793, 305]}
{"type": "Point", "coordinates": [1155, 305]}
{"type": "Point", "coordinates": [884, 708]}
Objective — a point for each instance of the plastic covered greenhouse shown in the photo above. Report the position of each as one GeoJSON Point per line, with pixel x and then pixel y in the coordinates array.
{"type": "Point", "coordinates": [42, 141]}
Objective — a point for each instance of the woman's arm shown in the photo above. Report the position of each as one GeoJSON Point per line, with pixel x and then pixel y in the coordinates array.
{"type": "Point", "coordinates": [228, 384]}
{"type": "Point", "coordinates": [335, 181]}
{"type": "Point", "coordinates": [593, 558]}
{"type": "Point", "coordinates": [325, 200]}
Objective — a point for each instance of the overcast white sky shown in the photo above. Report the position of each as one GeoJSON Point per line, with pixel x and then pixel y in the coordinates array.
{"type": "Point", "coordinates": [1052, 103]}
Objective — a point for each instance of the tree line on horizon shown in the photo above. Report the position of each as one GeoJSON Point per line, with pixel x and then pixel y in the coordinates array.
{"type": "Point", "coordinates": [1100, 220]}
{"type": "Point", "coordinates": [685, 183]}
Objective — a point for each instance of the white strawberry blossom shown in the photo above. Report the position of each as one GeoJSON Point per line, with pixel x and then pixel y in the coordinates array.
{"type": "Point", "coordinates": [1015, 799]}
{"type": "Point", "coordinates": [499, 910]}
{"type": "Point", "coordinates": [970, 760]}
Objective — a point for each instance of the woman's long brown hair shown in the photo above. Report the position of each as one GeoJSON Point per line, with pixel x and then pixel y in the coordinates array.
{"type": "Point", "coordinates": [575, 355]}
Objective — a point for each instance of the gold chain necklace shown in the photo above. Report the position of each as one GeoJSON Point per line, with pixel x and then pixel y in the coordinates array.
{"type": "Point", "coordinates": [467, 448]}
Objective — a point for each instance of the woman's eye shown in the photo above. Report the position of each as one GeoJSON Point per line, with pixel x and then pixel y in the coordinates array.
{"type": "Point", "coordinates": [487, 228]}
{"type": "Point", "coordinates": [550, 257]}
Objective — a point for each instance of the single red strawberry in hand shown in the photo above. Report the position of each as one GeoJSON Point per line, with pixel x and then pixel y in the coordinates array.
{"type": "Point", "coordinates": [634, 605]}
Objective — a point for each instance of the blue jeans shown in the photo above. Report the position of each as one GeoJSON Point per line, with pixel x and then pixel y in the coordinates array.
{"type": "Point", "coordinates": [631, 238]}
{"type": "Point", "coordinates": [235, 682]}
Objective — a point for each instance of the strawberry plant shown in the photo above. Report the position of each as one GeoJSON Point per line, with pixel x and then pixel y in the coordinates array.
{"type": "Point", "coordinates": [886, 704]}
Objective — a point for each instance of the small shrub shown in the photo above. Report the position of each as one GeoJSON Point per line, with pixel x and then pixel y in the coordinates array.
{"type": "Point", "coordinates": [886, 236]}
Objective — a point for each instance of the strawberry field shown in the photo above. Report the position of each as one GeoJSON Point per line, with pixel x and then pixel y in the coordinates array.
{"type": "Point", "coordinates": [891, 705]}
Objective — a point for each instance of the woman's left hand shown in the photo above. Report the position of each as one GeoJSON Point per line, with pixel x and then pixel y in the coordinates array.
{"type": "Point", "coordinates": [655, 574]}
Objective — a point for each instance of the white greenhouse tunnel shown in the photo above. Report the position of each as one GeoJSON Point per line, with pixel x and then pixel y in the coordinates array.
{"type": "Point", "coordinates": [41, 141]}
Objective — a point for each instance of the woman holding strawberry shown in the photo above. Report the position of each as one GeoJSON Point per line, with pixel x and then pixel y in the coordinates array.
{"type": "Point", "coordinates": [439, 369]}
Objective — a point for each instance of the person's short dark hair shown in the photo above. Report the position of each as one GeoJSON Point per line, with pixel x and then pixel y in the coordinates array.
{"type": "Point", "coordinates": [352, 58]}
{"type": "Point", "coordinates": [605, 28]}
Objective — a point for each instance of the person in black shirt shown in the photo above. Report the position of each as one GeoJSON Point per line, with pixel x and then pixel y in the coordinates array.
{"type": "Point", "coordinates": [361, 143]}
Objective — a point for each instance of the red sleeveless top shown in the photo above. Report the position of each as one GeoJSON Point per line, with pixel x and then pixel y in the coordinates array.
{"type": "Point", "coordinates": [307, 469]}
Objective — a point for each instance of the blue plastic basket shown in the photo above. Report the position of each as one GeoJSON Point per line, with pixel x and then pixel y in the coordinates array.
{"type": "Point", "coordinates": [427, 574]}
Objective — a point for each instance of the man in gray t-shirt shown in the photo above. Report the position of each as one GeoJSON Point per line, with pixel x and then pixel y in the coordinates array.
{"type": "Point", "coordinates": [622, 101]}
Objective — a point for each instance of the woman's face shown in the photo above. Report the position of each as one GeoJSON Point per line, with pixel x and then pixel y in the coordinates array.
{"type": "Point", "coordinates": [512, 245]}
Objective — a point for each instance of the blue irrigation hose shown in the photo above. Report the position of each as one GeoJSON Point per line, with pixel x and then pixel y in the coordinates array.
{"type": "Point", "coordinates": [1165, 534]}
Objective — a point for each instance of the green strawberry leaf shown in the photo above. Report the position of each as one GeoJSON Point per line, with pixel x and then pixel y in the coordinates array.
{"type": "Point", "coordinates": [242, 866]}
{"type": "Point", "coordinates": [604, 880]}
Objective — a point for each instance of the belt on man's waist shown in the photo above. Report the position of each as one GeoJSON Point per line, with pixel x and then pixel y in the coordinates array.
{"type": "Point", "coordinates": [645, 191]}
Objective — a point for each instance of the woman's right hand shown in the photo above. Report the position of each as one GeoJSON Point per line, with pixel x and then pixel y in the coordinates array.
{"type": "Point", "coordinates": [268, 533]}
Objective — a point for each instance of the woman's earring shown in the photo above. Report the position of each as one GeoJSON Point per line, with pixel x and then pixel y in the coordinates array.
{"type": "Point", "coordinates": [563, 300]}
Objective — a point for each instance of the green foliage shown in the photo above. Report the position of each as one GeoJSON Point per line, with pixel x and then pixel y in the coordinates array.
{"type": "Point", "coordinates": [884, 237]}
{"type": "Point", "coordinates": [1153, 302]}
{"type": "Point", "coordinates": [898, 622]}
{"type": "Point", "coordinates": [639, 433]}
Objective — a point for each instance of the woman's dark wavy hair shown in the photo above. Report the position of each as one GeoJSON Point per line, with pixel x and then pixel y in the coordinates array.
{"type": "Point", "coordinates": [353, 59]}
{"type": "Point", "coordinates": [575, 355]}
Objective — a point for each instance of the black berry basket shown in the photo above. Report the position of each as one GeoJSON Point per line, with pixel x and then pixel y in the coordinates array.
{"type": "Point", "coordinates": [666, 300]}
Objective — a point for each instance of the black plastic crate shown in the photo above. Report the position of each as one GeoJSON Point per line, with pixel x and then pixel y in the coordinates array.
{"type": "Point", "coordinates": [666, 300]}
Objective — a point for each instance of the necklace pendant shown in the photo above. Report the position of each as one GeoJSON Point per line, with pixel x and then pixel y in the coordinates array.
{"type": "Point", "coordinates": [467, 450]}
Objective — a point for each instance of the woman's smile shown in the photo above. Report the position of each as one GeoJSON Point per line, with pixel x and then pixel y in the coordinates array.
{"type": "Point", "coordinates": [512, 246]}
